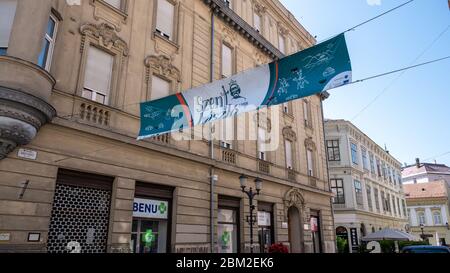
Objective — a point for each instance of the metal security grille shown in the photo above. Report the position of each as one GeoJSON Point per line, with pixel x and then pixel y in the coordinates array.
{"type": "Point", "coordinates": [79, 221]}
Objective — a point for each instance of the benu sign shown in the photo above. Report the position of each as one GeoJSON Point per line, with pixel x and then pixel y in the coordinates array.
{"type": "Point", "coordinates": [147, 208]}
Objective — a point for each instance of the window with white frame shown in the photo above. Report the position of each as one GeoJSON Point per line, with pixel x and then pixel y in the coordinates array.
{"type": "Point", "coordinates": [227, 61]}
{"type": "Point", "coordinates": [364, 158]}
{"type": "Point", "coordinates": [421, 217]}
{"type": "Point", "coordinates": [115, 3]}
{"type": "Point", "coordinates": [165, 19]}
{"type": "Point", "coordinates": [7, 13]}
{"type": "Point", "coordinates": [46, 55]}
{"type": "Point", "coordinates": [377, 200]}
{"type": "Point", "coordinates": [310, 162]}
{"type": "Point", "coordinates": [437, 218]}
{"type": "Point", "coordinates": [372, 163]}
{"type": "Point", "coordinates": [288, 153]}
{"type": "Point", "coordinates": [160, 88]}
{"type": "Point", "coordinates": [257, 24]}
{"type": "Point", "coordinates": [354, 150]}
{"type": "Point", "coordinates": [358, 192]}
{"type": "Point", "coordinates": [378, 167]}
{"type": "Point", "coordinates": [98, 75]}
{"type": "Point", "coordinates": [369, 196]}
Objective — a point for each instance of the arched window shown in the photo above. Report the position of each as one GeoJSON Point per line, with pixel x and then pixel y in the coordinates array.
{"type": "Point", "coordinates": [437, 218]}
{"type": "Point", "coordinates": [421, 217]}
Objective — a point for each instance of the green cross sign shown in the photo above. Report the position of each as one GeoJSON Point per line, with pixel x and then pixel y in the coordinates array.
{"type": "Point", "coordinates": [162, 208]}
{"type": "Point", "coordinates": [226, 237]}
{"type": "Point", "coordinates": [148, 237]}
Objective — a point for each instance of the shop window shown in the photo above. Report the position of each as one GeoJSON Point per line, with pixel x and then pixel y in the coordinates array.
{"type": "Point", "coordinates": [316, 232]}
{"type": "Point", "coordinates": [7, 13]}
{"type": "Point", "coordinates": [265, 226]}
{"type": "Point", "coordinates": [228, 235]}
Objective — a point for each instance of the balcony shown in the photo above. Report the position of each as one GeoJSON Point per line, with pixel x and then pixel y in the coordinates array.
{"type": "Point", "coordinates": [264, 166]}
{"type": "Point", "coordinates": [25, 91]}
{"type": "Point", "coordinates": [229, 156]}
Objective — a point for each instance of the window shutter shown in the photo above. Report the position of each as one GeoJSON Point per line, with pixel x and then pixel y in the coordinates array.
{"type": "Point", "coordinates": [227, 69]}
{"type": "Point", "coordinates": [257, 22]}
{"type": "Point", "coordinates": [7, 13]}
{"type": "Point", "coordinates": [288, 147]}
{"type": "Point", "coordinates": [165, 18]}
{"type": "Point", "coordinates": [98, 75]}
{"type": "Point", "coordinates": [281, 43]}
{"type": "Point", "coordinates": [261, 139]}
{"type": "Point", "coordinates": [160, 88]}
{"type": "Point", "coordinates": [114, 3]}
{"type": "Point", "coordinates": [310, 162]}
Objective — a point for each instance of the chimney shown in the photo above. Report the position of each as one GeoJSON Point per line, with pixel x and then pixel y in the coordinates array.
{"type": "Point", "coordinates": [417, 162]}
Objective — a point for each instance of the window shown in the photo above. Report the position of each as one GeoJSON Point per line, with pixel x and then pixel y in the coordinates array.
{"type": "Point", "coordinates": [227, 132]}
{"type": "Point", "coordinates": [383, 202]}
{"type": "Point", "coordinates": [383, 168]}
{"type": "Point", "coordinates": [114, 3]}
{"type": "Point", "coordinates": [394, 206]}
{"type": "Point", "coordinates": [97, 79]}
{"type": "Point", "coordinates": [7, 13]}
{"type": "Point", "coordinates": [286, 108]}
{"type": "Point", "coordinates": [372, 163]}
{"type": "Point", "coordinates": [377, 201]}
{"type": "Point", "coordinates": [398, 207]}
{"type": "Point", "coordinates": [261, 143]}
{"type": "Point", "coordinates": [337, 187]}
{"type": "Point", "coordinates": [387, 202]}
{"type": "Point", "coordinates": [227, 230]}
{"type": "Point", "coordinates": [307, 113]}
{"type": "Point", "coordinates": [165, 19]}
{"type": "Point", "coordinates": [45, 57]}
{"type": "Point", "coordinates": [288, 152]}
{"type": "Point", "coordinates": [354, 153]}
{"type": "Point", "coordinates": [282, 43]}
{"type": "Point", "coordinates": [369, 197]}
{"type": "Point", "coordinates": [358, 192]}
{"type": "Point", "coordinates": [404, 208]}
{"type": "Point", "coordinates": [421, 217]}
{"type": "Point", "coordinates": [364, 158]}
{"type": "Point", "coordinates": [378, 167]}
{"type": "Point", "coordinates": [227, 61]}
{"type": "Point", "coordinates": [310, 162]}
{"type": "Point", "coordinates": [257, 22]}
{"type": "Point", "coordinates": [333, 150]}
{"type": "Point", "coordinates": [389, 173]}
{"type": "Point", "coordinates": [160, 88]}
{"type": "Point", "coordinates": [437, 218]}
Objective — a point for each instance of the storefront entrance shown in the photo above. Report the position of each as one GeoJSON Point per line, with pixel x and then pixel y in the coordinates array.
{"type": "Point", "coordinates": [265, 226]}
{"type": "Point", "coordinates": [152, 209]}
{"type": "Point", "coordinates": [80, 215]}
{"type": "Point", "coordinates": [316, 232]}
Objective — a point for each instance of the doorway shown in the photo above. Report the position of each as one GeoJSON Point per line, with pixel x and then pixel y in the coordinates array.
{"type": "Point", "coordinates": [295, 230]}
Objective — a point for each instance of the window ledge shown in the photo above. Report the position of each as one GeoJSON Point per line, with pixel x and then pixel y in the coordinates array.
{"type": "Point", "coordinates": [156, 35]}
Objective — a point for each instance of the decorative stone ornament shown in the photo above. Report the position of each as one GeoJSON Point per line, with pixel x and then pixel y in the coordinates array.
{"type": "Point", "coordinates": [106, 35]}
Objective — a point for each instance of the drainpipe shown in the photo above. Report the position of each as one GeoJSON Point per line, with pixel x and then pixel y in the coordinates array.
{"type": "Point", "coordinates": [211, 142]}
{"type": "Point", "coordinates": [323, 96]}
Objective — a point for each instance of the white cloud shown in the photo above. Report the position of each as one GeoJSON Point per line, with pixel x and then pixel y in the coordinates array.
{"type": "Point", "coordinates": [374, 2]}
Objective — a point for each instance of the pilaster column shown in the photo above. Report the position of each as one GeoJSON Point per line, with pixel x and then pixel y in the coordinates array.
{"type": "Point", "coordinates": [27, 34]}
{"type": "Point", "coordinates": [428, 217]}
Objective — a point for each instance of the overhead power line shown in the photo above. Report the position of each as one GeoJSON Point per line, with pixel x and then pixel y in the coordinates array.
{"type": "Point", "coordinates": [401, 74]}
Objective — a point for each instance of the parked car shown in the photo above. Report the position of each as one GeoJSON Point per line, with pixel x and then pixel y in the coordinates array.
{"type": "Point", "coordinates": [426, 249]}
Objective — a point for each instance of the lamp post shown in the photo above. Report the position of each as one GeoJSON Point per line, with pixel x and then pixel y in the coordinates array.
{"type": "Point", "coordinates": [251, 195]}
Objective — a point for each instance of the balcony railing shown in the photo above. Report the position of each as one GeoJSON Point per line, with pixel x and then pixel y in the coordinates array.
{"type": "Point", "coordinates": [264, 166]}
{"type": "Point", "coordinates": [229, 156]}
{"type": "Point", "coordinates": [94, 114]}
{"type": "Point", "coordinates": [291, 175]}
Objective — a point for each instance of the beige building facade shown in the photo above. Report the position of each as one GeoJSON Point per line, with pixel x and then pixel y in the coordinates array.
{"type": "Point", "coordinates": [366, 181]}
{"type": "Point", "coordinates": [73, 178]}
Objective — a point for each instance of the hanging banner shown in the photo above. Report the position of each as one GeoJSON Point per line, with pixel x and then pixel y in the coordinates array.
{"type": "Point", "coordinates": [308, 72]}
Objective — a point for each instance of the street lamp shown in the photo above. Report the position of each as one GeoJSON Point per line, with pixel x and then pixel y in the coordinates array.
{"type": "Point", "coordinates": [251, 195]}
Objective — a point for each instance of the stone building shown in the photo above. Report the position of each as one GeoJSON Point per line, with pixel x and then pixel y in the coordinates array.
{"type": "Point", "coordinates": [428, 208]}
{"type": "Point", "coordinates": [72, 175]}
{"type": "Point", "coordinates": [422, 172]}
{"type": "Point", "coordinates": [366, 182]}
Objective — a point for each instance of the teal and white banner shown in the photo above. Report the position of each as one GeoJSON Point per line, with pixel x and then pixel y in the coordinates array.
{"type": "Point", "coordinates": [308, 72]}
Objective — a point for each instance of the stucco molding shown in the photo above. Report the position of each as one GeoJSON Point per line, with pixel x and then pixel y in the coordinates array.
{"type": "Point", "coordinates": [106, 35]}
{"type": "Point", "coordinates": [309, 144]}
{"type": "Point", "coordinates": [294, 198]}
{"type": "Point", "coordinates": [289, 134]}
{"type": "Point", "coordinates": [163, 65]}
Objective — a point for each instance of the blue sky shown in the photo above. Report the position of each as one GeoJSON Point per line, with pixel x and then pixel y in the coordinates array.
{"type": "Point", "coordinates": [412, 117]}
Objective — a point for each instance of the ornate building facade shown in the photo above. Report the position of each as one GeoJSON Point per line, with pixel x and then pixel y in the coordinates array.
{"type": "Point", "coordinates": [366, 181]}
{"type": "Point", "coordinates": [73, 178]}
